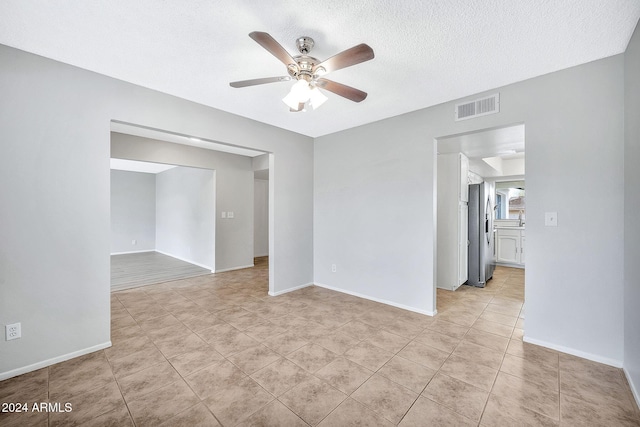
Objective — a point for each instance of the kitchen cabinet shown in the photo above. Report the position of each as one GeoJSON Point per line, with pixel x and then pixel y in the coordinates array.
{"type": "Point", "coordinates": [453, 220]}
{"type": "Point", "coordinates": [510, 245]}
{"type": "Point", "coordinates": [463, 243]}
{"type": "Point", "coordinates": [463, 177]}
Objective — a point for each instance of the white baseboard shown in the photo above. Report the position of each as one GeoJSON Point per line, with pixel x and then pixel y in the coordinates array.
{"type": "Point", "coordinates": [507, 264]}
{"type": "Point", "coordinates": [383, 301]}
{"type": "Point", "coordinates": [234, 268]}
{"type": "Point", "coordinates": [133, 252]}
{"type": "Point", "coordinates": [34, 367]}
{"type": "Point", "coordinates": [589, 356]}
{"type": "Point", "coordinates": [260, 256]}
{"type": "Point", "coordinates": [185, 260]}
{"type": "Point", "coordinates": [285, 291]}
{"type": "Point", "coordinates": [634, 390]}
{"type": "Point", "coordinates": [448, 288]}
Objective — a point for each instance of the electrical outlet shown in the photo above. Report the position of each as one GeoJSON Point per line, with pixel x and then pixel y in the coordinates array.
{"type": "Point", "coordinates": [334, 268]}
{"type": "Point", "coordinates": [230, 215]}
{"type": "Point", "coordinates": [13, 331]}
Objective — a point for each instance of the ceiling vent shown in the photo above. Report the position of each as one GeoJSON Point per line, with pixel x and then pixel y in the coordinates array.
{"type": "Point", "coordinates": [478, 107]}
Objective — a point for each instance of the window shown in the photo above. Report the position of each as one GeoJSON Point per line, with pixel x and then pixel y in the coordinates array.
{"type": "Point", "coordinates": [510, 200]}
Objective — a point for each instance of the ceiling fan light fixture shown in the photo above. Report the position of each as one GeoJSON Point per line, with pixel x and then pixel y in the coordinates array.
{"type": "Point", "coordinates": [291, 100]}
{"type": "Point", "coordinates": [309, 71]}
{"type": "Point", "coordinates": [300, 93]}
{"type": "Point", "coordinates": [301, 90]}
{"type": "Point", "coordinates": [316, 98]}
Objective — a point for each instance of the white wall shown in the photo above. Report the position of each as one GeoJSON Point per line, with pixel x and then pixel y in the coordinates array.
{"type": "Point", "coordinates": [234, 236]}
{"type": "Point", "coordinates": [374, 213]}
{"type": "Point", "coordinates": [133, 211]}
{"type": "Point", "coordinates": [374, 205]}
{"type": "Point", "coordinates": [260, 163]}
{"type": "Point", "coordinates": [172, 212]}
{"type": "Point", "coordinates": [185, 215]}
{"type": "Point", "coordinates": [54, 187]}
{"type": "Point", "coordinates": [261, 218]}
{"type": "Point", "coordinates": [631, 215]}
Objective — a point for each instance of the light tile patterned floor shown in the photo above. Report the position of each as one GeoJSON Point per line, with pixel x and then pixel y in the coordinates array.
{"type": "Point", "coordinates": [216, 350]}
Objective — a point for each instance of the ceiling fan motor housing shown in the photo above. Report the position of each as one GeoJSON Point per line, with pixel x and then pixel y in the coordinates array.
{"type": "Point", "coordinates": [305, 64]}
{"type": "Point", "coordinates": [304, 67]}
{"type": "Point", "coordinates": [305, 44]}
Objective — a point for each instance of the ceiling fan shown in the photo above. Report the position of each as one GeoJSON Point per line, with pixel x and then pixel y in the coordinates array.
{"type": "Point", "coordinates": [309, 72]}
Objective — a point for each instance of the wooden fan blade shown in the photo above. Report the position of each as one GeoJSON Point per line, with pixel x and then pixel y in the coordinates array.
{"type": "Point", "coordinates": [347, 58]}
{"type": "Point", "coordinates": [345, 91]}
{"type": "Point", "coordinates": [253, 82]}
{"type": "Point", "coordinates": [269, 43]}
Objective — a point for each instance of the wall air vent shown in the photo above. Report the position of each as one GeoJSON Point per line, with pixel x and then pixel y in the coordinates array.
{"type": "Point", "coordinates": [478, 107]}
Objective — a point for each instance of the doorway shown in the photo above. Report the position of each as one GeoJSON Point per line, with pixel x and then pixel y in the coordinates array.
{"type": "Point", "coordinates": [486, 156]}
{"type": "Point", "coordinates": [233, 185]}
{"type": "Point", "coordinates": [261, 216]}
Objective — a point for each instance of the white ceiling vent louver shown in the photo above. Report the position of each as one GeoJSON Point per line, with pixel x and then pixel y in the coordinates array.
{"type": "Point", "coordinates": [478, 107]}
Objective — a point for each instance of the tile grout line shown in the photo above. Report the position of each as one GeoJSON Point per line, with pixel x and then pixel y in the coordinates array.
{"type": "Point", "coordinates": [163, 355]}
{"type": "Point", "coordinates": [324, 299]}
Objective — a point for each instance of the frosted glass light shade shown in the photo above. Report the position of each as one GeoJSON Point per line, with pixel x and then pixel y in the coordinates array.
{"type": "Point", "coordinates": [317, 98]}
{"type": "Point", "coordinates": [301, 93]}
{"type": "Point", "coordinates": [291, 100]}
{"type": "Point", "coordinates": [301, 89]}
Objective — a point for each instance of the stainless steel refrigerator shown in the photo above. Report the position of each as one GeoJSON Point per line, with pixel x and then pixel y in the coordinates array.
{"type": "Point", "coordinates": [481, 263]}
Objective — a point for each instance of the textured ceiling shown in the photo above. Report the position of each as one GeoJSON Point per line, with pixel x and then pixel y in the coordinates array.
{"type": "Point", "coordinates": [426, 52]}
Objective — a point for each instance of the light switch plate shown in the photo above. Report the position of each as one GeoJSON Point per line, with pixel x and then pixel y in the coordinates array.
{"type": "Point", "coordinates": [551, 219]}
{"type": "Point", "coordinates": [224, 214]}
